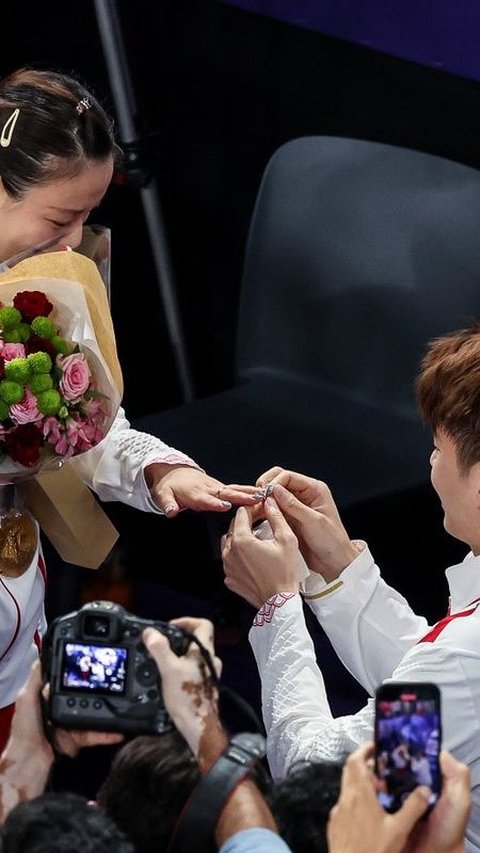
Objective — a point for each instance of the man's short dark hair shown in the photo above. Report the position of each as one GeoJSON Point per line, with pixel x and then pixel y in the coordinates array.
{"type": "Point", "coordinates": [61, 823]}
{"type": "Point", "coordinates": [148, 784]}
{"type": "Point", "coordinates": [301, 804]}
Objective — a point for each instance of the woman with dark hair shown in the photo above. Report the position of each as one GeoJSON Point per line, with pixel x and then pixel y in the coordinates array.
{"type": "Point", "coordinates": [57, 157]}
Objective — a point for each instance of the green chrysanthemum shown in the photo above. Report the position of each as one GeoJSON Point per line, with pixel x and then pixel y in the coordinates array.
{"type": "Point", "coordinates": [9, 317]}
{"type": "Point", "coordinates": [40, 382]}
{"type": "Point", "coordinates": [40, 362]}
{"type": "Point", "coordinates": [17, 370]}
{"type": "Point", "coordinates": [61, 345]}
{"type": "Point", "coordinates": [49, 402]}
{"type": "Point", "coordinates": [43, 327]}
{"type": "Point", "coordinates": [10, 392]}
{"type": "Point", "coordinates": [12, 336]}
{"type": "Point", "coordinates": [24, 332]}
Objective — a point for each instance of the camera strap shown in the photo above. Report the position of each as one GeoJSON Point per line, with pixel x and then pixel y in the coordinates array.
{"type": "Point", "coordinates": [201, 811]}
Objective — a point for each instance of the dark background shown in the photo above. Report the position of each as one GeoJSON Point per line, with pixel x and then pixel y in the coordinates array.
{"type": "Point", "coordinates": [218, 90]}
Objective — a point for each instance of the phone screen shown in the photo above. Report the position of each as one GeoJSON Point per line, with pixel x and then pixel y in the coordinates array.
{"type": "Point", "coordinates": [407, 741]}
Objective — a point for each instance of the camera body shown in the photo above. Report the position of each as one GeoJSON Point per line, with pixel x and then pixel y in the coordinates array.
{"type": "Point", "coordinates": [101, 675]}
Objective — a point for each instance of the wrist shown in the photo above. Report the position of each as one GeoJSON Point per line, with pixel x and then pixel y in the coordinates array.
{"type": "Point", "coordinates": [155, 471]}
{"type": "Point", "coordinates": [204, 734]}
{"type": "Point", "coordinates": [343, 558]}
{"type": "Point", "coordinates": [212, 742]}
{"type": "Point", "coordinates": [27, 770]}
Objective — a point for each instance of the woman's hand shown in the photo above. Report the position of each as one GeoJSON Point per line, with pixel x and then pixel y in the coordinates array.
{"type": "Point", "coordinates": [177, 487]}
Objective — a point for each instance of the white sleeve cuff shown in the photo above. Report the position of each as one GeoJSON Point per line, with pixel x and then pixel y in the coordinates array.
{"type": "Point", "coordinates": [314, 587]}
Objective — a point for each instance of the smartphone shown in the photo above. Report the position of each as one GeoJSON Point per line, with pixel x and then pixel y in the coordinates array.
{"type": "Point", "coordinates": [408, 738]}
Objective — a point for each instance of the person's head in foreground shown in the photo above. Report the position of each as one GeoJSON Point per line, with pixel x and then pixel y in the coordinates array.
{"type": "Point", "coordinates": [148, 784]}
{"type": "Point", "coordinates": [61, 823]}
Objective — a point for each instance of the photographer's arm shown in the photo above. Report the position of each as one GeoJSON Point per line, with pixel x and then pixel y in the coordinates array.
{"type": "Point", "coordinates": [28, 757]}
{"type": "Point", "coordinates": [245, 821]}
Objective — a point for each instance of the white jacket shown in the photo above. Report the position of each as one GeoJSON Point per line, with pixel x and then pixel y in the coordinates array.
{"type": "Point", "coordinates": [378, 638]}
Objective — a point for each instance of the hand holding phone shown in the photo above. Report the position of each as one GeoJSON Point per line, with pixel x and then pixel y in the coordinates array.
{"type": "Point", "coordinates": [407, 741]}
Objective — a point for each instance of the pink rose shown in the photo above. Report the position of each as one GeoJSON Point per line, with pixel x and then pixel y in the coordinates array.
{"type": "Point", "coordinates": [13, 351]}
{"type": "Point", "coordinates": [26, 411]}
{"type": "Point", "coordinates": [75, 376]}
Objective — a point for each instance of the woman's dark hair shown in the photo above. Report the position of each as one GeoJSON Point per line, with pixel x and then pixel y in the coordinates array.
{"type": "Point", "coordinates": [59, 127]}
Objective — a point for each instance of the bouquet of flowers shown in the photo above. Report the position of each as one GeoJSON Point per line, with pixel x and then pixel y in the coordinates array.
{"type": "Point", "coordinates": [57, 397]}
{"type": "Point", "coordinates": [55, 408]}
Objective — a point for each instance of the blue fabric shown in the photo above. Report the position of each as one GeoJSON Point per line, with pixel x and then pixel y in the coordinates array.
{"type": "Point", "coordinates": [253, 840]}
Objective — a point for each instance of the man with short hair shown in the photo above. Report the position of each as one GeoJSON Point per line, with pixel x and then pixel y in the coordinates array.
{"type": "Point", "coordinates": [370, 625]}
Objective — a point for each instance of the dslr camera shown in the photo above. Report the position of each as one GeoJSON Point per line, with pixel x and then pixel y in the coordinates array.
{"type": "Point", "coordinates": [100, 673]}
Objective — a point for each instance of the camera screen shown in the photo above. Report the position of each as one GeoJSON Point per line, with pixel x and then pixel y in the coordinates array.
{"type": "Point", "coordinates": [407, 748]}
{"type": "Point", "coordinates": [102, 669]}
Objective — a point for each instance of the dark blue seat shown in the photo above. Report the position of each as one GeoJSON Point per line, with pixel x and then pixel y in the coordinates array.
{"type": "Point", "coordinates": [358, 253]}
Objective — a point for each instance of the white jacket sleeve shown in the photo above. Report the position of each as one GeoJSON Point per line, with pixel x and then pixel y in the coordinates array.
{"type": "Point", "coordinates": [114, 468]}
{"type": "Point", "coordinates": [370, 625]}
{"type": "Point", "coordinates": [295, 708]}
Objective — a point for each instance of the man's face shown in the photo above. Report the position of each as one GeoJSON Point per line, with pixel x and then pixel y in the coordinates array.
{"type": "Point", "coordinates": [459, 491]}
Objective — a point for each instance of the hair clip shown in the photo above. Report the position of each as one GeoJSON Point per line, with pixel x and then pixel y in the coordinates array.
{"type": "Point", "coordinates": [8, 128]}
{"type": "Point", "coordinates": [83, 105]}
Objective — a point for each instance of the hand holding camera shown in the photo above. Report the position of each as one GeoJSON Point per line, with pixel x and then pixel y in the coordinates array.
{"type": "Point", "coordinates": [188, 682]}
{"type": "Point", "coordinates": [101, 675]}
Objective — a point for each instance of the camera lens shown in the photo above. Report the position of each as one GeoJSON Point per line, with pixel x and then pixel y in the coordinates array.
{"type": "Point", "coordinates": [96, 626]}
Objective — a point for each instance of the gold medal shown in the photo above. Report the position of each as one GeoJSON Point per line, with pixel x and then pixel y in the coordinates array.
{"type": "Point", "coordinates": [18, 542]}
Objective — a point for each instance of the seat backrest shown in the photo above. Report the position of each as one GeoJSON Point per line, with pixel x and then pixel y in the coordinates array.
{"type": "Point", "coordinates": [358, 254]}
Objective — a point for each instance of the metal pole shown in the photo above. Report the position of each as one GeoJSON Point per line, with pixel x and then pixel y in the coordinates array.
{"type": "Point", "coordinates": [122, 90]}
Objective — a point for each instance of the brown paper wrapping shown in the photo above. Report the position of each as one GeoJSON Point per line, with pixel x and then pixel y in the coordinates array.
{"type": "Point", "coordinates": [71, 517]}
{"type": "Point", "coordinates": [63, 505]}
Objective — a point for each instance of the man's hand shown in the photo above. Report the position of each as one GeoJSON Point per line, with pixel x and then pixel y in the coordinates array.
{"type": "Point", "coordinates": [309, 507]}
{"type": "Point", "coordinates": [256, 568]}
{"type": "Point", "coordinates": [444, 829]}
{"type": "Point", "coordinates": [359, 824]}
{"type": "Point", "coordinates": [188, 693]}
{"type": "Point", "coordinates": [177, 487]}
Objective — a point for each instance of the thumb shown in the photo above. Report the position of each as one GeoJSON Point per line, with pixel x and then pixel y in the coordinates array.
{"type": "Point", "coordinates": [275, 517]}
{"type": "Point", "coordinates": [290, 505]}
{"type": "Point", "coordinates": [413, 807]}
{"type": "Point", "coordinates": [158, 646]}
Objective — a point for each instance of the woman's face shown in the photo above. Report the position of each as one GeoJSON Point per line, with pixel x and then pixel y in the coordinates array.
{"type": "Point", "coordinates": [53, 212]}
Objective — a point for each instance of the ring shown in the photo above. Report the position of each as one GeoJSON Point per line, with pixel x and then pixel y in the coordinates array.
{"type": "Point", "coordinates": [219, 492]}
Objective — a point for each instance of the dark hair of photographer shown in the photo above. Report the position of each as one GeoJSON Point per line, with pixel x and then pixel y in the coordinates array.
{"type": "Point", "coordinates": [148, 784]}
{"type": "Point", "coordinates": [150, 780]}
{"type": "Point", "coordinates": [301, 804]}
{"type": "Point", "coordinates": [61, 823]}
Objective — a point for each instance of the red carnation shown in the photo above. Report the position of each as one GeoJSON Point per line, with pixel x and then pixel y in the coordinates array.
{"type": "Point", "coordinates": [37, 344]}
{"type": "Point", "coordinates": [23, 444]}
{"type": "Point", "coordinates": [31, 304]}
{"type": "Point", "coordinates": [2, 367]}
